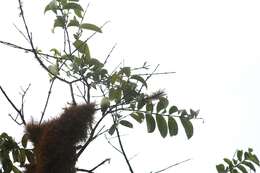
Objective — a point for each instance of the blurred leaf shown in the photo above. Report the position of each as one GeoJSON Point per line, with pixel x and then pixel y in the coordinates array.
{"type": "Point", "coordinates": [22, 157]}
{"type": "Point", "coordinates": [73, 6]}
{"type": "Point", "coordinates": [126, 71]}
{"type": "Point", "coordinates": [162, 104]}
{"type": "Point", "coordinates": [188, 127]}
{"type": "Point", "coordinates": [239, 155]}
{"type": "Point", "coordinates": [112, 129]}
{"type": "Point", "coordinates": [115, 94]}
{"type": "Point", "coordinates": [73, 22]}
{"type": "Point", "coordinates": [229, 162]}
{"type": "Point", "coordinates": [126, 123]}
{"type": "Point", "coordinates": [173, 109]}
{"type": "Point", "coordinates": [150, 122]}
{"type": "Point", "coordinates": [138, 116]}
{"type": "Point", "coordinates": [173, 126]}
{"type": "Point", "coordinates": [249, 165]}
{"type": "Point", "coordinates": [24, 140]}
{"type": "Point", "coordinates": [51, 6]}
{"type": "Point", "coordinates": [162, 125]}
{"type": "Point", "coordinates": [149, 107]}
{"type": "Point", "coordinates": [92, 27]}
{"type": "Point", "coordinates": [242, 168]}
{"type": "Point", "coordinates": [82, 47]}
{"type": "Point", "coordinates": [53, 70]}
{"type": "Point", "coordinates": [59, 22]}
{"type": "Point", "coordinates": [140, 104]}
{"type": "Point", "coordinates": [16, 170]}
{"type": "Point", "coordinates": [15, 155]}
{"type": "Point", "coordinates": [221, 168]}
{"type": "Point", "coordinates": [140, 79]}
{"type": "Point", "coordinates": [7, 165]}
{"type": "Point", "coordinates": [234, 171]}
{"type": "Point", "coordinates": [105, 103]}
{"type": "Point", "coordinates": [29, 155]}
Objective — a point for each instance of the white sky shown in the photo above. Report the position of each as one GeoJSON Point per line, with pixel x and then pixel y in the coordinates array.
{"type": "Point", "coordinates": [212, 45]}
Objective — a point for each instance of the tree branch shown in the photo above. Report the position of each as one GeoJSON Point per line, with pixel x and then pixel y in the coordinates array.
{"type": "Point", "coordinates": [13, 105]}
{"type": "Point", "coordinates": [172, 166]}
{"type": "Point", "coordinates": [47, 100]}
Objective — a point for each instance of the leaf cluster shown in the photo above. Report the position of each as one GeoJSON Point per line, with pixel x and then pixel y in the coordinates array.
{"type": "Point", "coordinates": [11, 153]}
{"type": "Point", "coordinates": [242, 162]}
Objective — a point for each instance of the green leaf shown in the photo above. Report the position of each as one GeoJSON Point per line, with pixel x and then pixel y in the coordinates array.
{"type": "Point", "coordinates": [7, 165]}
{"type": "Point", "coordinates": [239, 155]}
{"type": "Point", "coordinates": [126, 71]}
{"type": "Point", "coordinates": [254, 159]}
{"type": "Point", "coordinates": [82, 47]}
{"type": "Point", "coordinates": [16, 170]}
{"type": "Point", "coordinates": [138, 116]}
{"type": "Point", "coordinates": [73, 22]}
{"type": "Point", "coordinates": [73, 6]}
{"type": "Point", "coordinates": [140, 104]}
{"type": "Point", "coordinates": [53, 69]}
{"type": "Point", "coordinates": [234, 171]}
{"type": "Point", "coordinates": [24, 140]}
{"type": "Point", "coordinates": [15, 155]}
{"type": "Point", "coordinates": [126, 123]}
{"type": "Point", "coordinates": [221, 168]}
{"type": "Point", "coordinates": [188, 127]}
{"type": "Point", "coordinates": [105, 103]}
{"type": "Point", "coordinates": [140, 79]}
{"type": "Point", "coordinates": [91, 27]}
{"type": "Point", "coordinates": [173, 126]}
{"type": "Point", "coordinates": [29, 155]}
{"type": "Point", "coordinates": [51, 6]}
{"type": "Point", "coordinates": [229, 162]}
{"type": "Point", "coordinates": [162, 125]}
{"type": "Point", "coordinates": [78, 13]}
{"type": "Point", "coordinates": [115, 94]}
{"type": "Point", "coordinates": [59, 22]}
{"type": "Point", "coordinates": [173, 109]}
{"type": "Point", "coordinates": [150, 123]}
{"type": "Point", "coordinates": [22, 157]}
{"type": "Point", "coordinates": [242, 168]}
{"type": "Point", "coordinates": [162, 104]}
{"type": "Point", "coordinates": [149, 107]}
{"type": "Point", "coordinates": [112, 129]}
{"type": "Point", "coordinates": [249, 164]}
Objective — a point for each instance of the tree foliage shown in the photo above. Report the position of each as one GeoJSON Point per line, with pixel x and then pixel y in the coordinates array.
{"type": "Point", "coordinates": [123, 92]}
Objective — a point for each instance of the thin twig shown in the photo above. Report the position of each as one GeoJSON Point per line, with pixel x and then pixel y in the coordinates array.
{"type": "Point", "coordinates": [13, 105]}
{"type": "Point", "coordinates": [23, 96]}
{"type": "Point", "coordinates": [15, 119]}
{"type": "Point", "coordinates": [108, 140]}
{"type": "Point", "coordinates": [159, 73]}
{"type": "Point", "coordinates": [72, 95]}
{"type": "Point", "coordinates": [47, 100]}
{"type": "Point", "coordinates": [91, 170]}
{"type": "Point", "coordinates": [109, 54]}
{"type": "Point", "coordinates": [21, 33]}
{"type": "Point", "coordinates": [123, 151]}
{"type": "Point", "coordinates": [172, 166]}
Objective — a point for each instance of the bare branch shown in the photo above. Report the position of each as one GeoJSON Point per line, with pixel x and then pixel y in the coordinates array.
{"type": "Point", "coordinates": [47, 100]}
{"type": "Point", "coordinates": [13, 105]}
{"type": "Point", "coordinates": [91, 170]}
{"type": "Point", "coordinates": [109, 54]}
{"type": "Point", "coordinates": [172, 166]}
{"type": "Point", "coordinates": [160, 73]}
{"type": "Point", "coordinates": [123, 151]}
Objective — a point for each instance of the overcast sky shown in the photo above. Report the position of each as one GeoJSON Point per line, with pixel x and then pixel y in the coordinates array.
{"type": "Point", "coordinates": [213, 46]}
